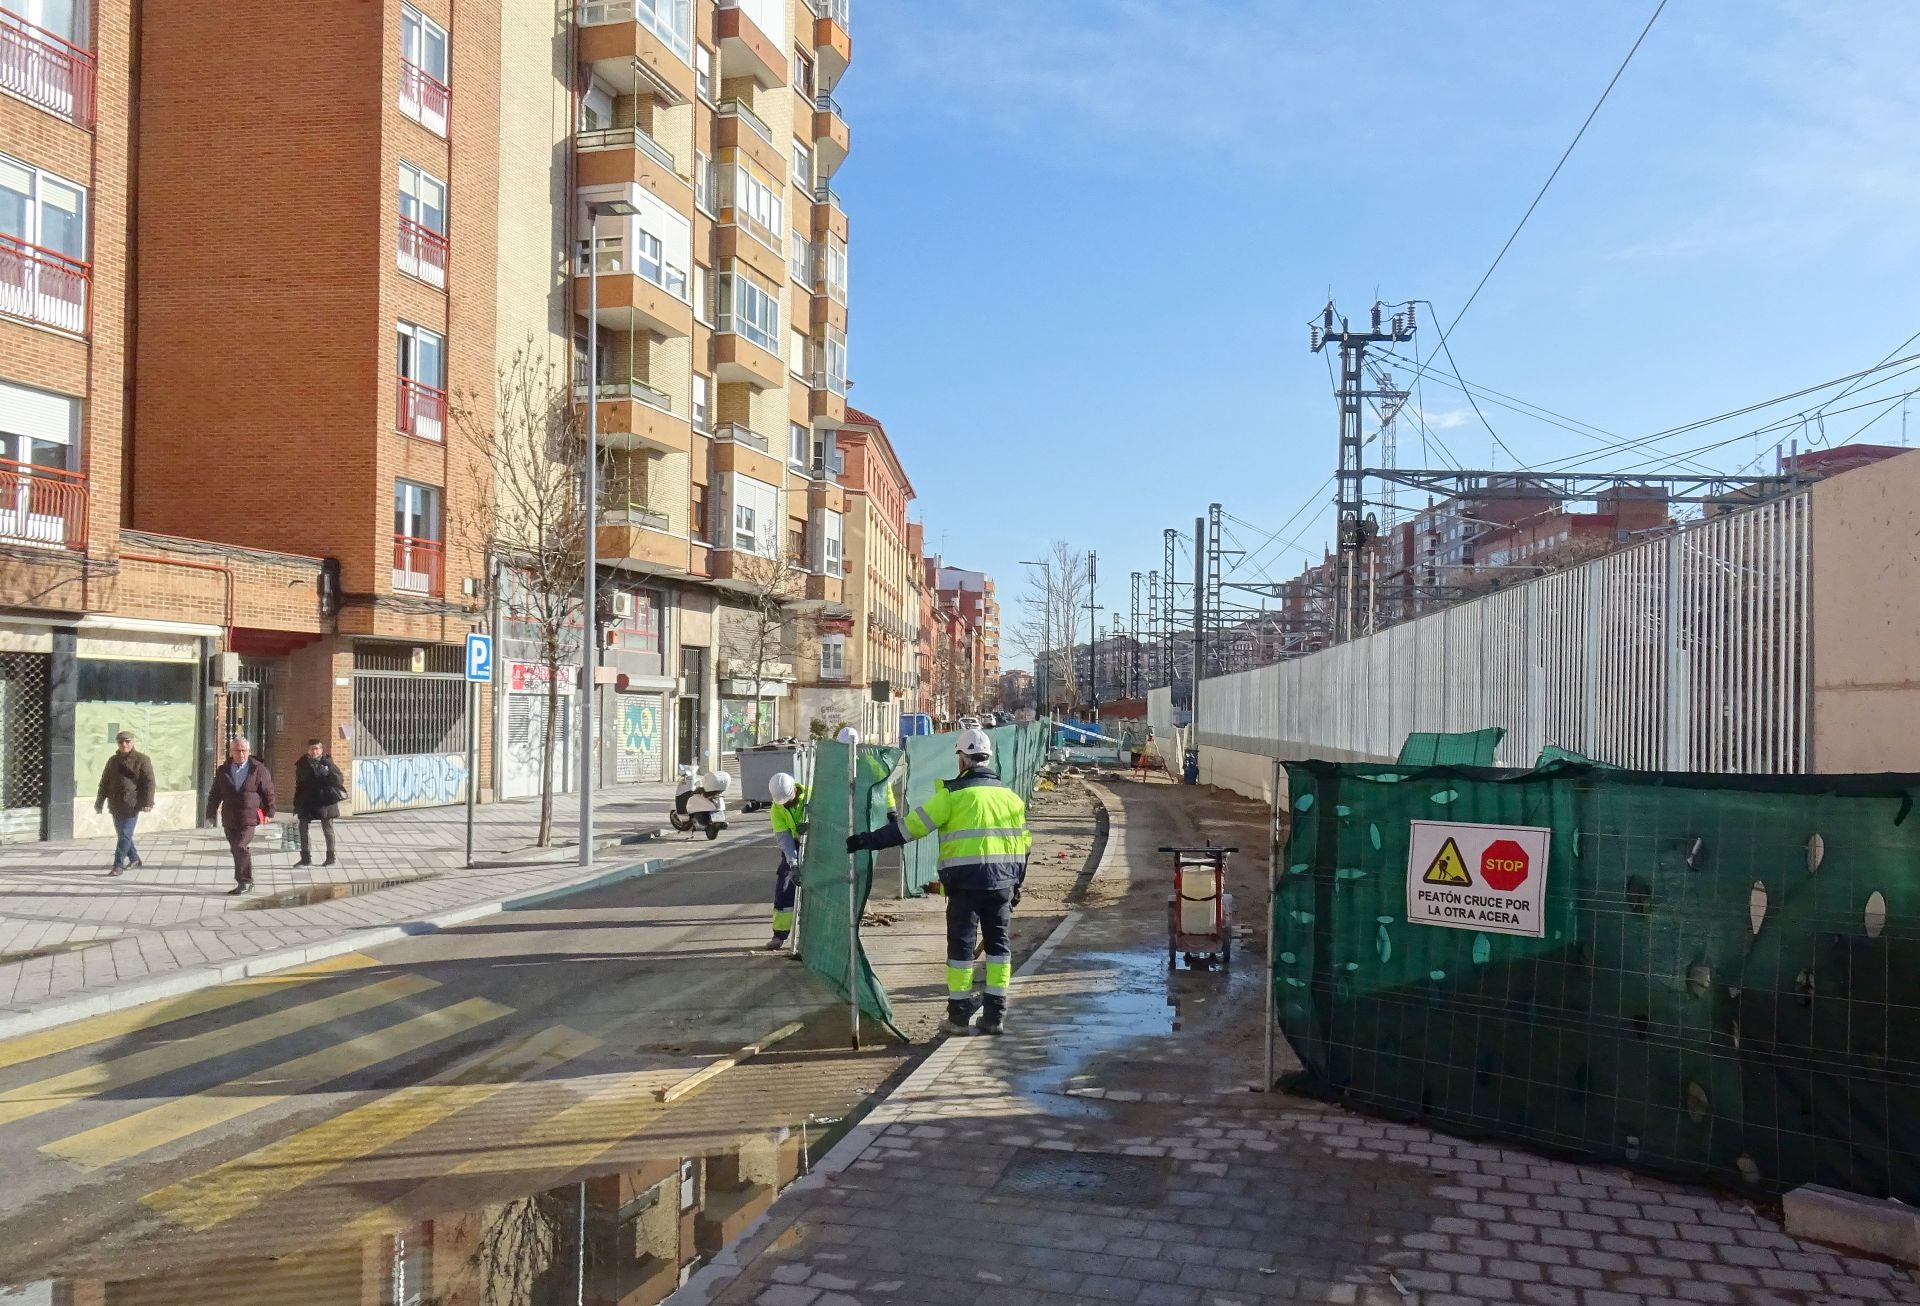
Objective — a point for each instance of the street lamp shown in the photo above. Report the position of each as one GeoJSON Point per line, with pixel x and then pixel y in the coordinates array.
{"type": "Point", "coordinates": [1046, 635]}
{"type": "Point", "coordinates": [590, 619]}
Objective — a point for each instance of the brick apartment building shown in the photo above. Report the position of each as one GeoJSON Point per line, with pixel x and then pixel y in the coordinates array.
{"type": "Point", "coordinates": [247, 377]}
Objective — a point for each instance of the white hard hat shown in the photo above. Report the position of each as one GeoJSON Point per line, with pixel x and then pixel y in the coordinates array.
{"type": "Point", "coordinates": [974, 744]}
{"type": "Point", "coordinates": [782, 788]}
{"type": "Point", "coordinates": [848, 735]}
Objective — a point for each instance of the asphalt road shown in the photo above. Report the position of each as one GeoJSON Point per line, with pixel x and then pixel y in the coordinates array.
{"type": "Point", "coordinates": [222, 1137]}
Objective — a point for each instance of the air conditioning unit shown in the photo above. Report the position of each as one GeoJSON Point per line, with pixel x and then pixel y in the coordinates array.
{"type": "Point", "coordinates": [622, 603]}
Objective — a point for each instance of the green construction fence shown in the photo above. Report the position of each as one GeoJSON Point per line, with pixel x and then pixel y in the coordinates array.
{"type": "Point", "coordinates": [830, 908]}
{"type": "Point", "coordinates": [1727, 987]}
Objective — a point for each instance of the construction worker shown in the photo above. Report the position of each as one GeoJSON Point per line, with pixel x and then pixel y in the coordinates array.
{"type": "Point", "coordinates": [983, 863]}
{"type": "Point", "coordinates": [789, 823]}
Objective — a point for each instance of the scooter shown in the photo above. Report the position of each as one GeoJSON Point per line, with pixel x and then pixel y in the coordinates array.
{"type": "Point", "coordinates": [700, 802]}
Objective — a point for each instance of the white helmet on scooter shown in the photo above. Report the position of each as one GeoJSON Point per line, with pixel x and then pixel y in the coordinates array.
{"type": "Point", "coordinates": [782, 787]}
{"type": "Point", "coordinates": [974, 746]}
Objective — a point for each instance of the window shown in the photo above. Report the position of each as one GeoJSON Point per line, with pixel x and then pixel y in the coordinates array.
{"type": "Point", "coordinates": [802, 166]}
{"type": "Point", "coordinates": [41, 502]}
{"type": "Point", "coordinates": [700, 413]}
{"type": "Point", "coordinates": [423, 225]}
{"type": "Point", "coordinates": [703, 182]}
{"type": "Point", "coordinates": [800, 254]}
{"type": "Point", "coordinates": [702, 294]}
{"type": "Point", "coordinates": [755, 204]}
{"type": "Point", "coordinates": [830, 538]}
{"type": "Point", "coordinates": [43, 59]}
{"type": "Point", "coordinates": [64, 18]}
{"type": "Point", "coordinates": [798, 351]}
{"type": "Point", "coordinates": [833, 657]}
{"type": "Point", "coordinates": [596, 107]}
{"type": "Point", "coordinates": [833, 266]}
{"type": "Point", "coordinates": [46, 281]}
{"type": "Point", "coordinates": [421, 365]}
{"type": "Point", "coordinates": [749, 309]}
{"type": "Point", "coordinates": [830, 363]}
{"type": "Point", "coordinates": [699, 526]}
{"type": "Point", "coordinates": [799, 444]}
{"type": "Point", "coordinates": [803, 74]}
{"type": "Point", "coordinates": [703, 72]}
{"type": "Point", "coordinates": [424, 76]}
{"type": "Point", "coordinates": [418, 555]}
{"type": "Point", "coordinates": [756, 516]}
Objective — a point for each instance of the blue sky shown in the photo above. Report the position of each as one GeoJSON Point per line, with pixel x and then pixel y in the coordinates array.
{"type": "Point", "coordinates": [1088, 235]}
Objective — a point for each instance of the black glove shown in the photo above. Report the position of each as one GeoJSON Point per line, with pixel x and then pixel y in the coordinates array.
{"type": "Point", "coordinates": [856, 843]}
{"type": "Point", "coordinates": [1016, 895]}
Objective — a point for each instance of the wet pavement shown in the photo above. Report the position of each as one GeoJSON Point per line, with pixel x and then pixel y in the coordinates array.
{"type": "Point", "coordinates": [1109, 1148]}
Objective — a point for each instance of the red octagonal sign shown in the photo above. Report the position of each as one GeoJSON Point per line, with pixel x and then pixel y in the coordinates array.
{"type": "Point", "coordinates": [1503, 866]}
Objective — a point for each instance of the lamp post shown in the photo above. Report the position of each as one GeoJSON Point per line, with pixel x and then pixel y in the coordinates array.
{"type": "Point", "coordinates": [1046, 633]}
{"type": "Point", "coordinates": [589, 612]}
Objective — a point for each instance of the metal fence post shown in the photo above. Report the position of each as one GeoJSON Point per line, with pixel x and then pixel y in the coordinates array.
{"type": "Point", "coordinates": [853, 897]}
{"type": "Point", "coordinates": [1676, 754]}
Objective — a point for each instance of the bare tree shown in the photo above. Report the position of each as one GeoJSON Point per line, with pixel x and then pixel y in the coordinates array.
{"type": "Point", "coordinates": [531, 511]}
{"type": "Point", "coordinates": [768, 624]}
{"type": "Point", "coordinates": [1051, 607]}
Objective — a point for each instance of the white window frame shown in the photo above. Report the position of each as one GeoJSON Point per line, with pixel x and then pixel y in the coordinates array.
{"type": "Point", "coordinates": [418, 35]}
{"type": "Point", "coordinates": [703, 295]}
{"type": "Point", "coordinates": [753, 511]}
{"type": "Point", "coordinates": [830, 362]}
{"type": "Point", "coordinates": [755, 204]}
{"type": "Point", "coordinates": [703, 73]}
{"type": "Point", "coordinates": [833, 657]}
{"type": "Point", "coordinates": [417, 515]}
{"type": "Point", "coordinates": [802, 165]}
{"type": "Point", "coordinates": [748, 309]}
{"type": "Point", "coordinates": [702, 412]}
{"type": "Point", "coordinates": [411, 342]}
{"type": "Point", "coordinates": [832, 537]}
{"type": "Point", "coordinates": [799, 445]}
{"type": "Point", "coordinates": [415, 207]}
{"type": "Point", "coordinates": [799, 256]}
{"type": "Point", "coordinates": [32, 226]}
{"type": "Point", "coordinates": [799, 352]}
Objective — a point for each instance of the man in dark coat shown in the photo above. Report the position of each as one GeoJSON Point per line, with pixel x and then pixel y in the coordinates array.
{"type": "Point", "coordinates": [318, 788]}
{"type": "Point", "coordinates": [242, 798]}
{"type": "Point", "coordinates": [126, 790]}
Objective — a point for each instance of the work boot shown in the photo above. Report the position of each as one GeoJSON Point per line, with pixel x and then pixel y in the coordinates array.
{"type": "Point", "coordinates": [949, 1025]}
{"type": "Point", "coordinates": [774, 944]}
{"type": "Point", "coordinates": [959, 1019]}
{"type": "Point", "coordinates": [116, 871]}
{"type": "Point", "coordinates": [236, 890]}
{"type": "Point", "coordinates": [992, 1024]}
{"type": "Point", "coordinates": [331, 860]}
{"type": "Point", "coordinates": [304, 861]}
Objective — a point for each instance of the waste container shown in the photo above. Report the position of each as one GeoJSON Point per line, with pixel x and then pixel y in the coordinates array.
{"type": "Point", "coordinates": [759, 765]}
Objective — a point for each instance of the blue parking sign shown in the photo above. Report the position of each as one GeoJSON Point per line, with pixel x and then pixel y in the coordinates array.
{"type": "Point", "coordinates": [480, 658]}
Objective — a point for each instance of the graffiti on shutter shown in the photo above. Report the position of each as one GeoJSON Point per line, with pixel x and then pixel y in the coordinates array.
{"type": "Point", "coordinates": [641, 717]}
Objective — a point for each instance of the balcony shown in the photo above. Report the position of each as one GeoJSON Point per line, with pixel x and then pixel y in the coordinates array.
{"type": "Point", "coordinates": [44, 507]}
{"type": "Point", "coordinates": [739, 434]}
{"type": "Point", "coordinates": [626, 156]}
{"type": "Point", "coordinates": [827, 398]}
{"type": "Point", "coordinates": [739, 358]}
{"type": "Point", "coordinates": [833, 47]}
{"type": "Point", "coordinates": [640, 46]}
{"type": "Point", "coordinates": [831, 138]}
{"type": "Point", "coordinates": [425, 98]}
{"type": "Point", "coordinates": [635, 415]}
{"type": "Point", "coordinates": [420, 410]}
{"type": "Point", "coordinates": [738, 127]}
{"type": "Point", "coordinates": [637, 533]}
{"type": "Point", "coordinates": [829, 216]}
{"type": "Point", "coordinates": [419, 566]}
{"type": "Point", "coordinates": [46, 71]}
{"type": "Point", "coordinates": [43, 286]}
{"type": "Point", "coordinates": [737, 449]}
{"type": "Point", "coordinates": [745, 50]}
{"type": "Point", "coordinates": [423, 252]}
{"type": "Point", "coordinates": [641, 294]}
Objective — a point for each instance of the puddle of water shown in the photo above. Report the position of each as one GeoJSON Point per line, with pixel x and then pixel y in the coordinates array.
{"type": "Point", "coordinates": [54, 950]}
{"type": "Point", "coordinates": [314, 893]}
{"type": "Point", "coordinates": [631, 1236]}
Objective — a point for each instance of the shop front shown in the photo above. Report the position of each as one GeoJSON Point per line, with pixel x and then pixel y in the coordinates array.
{"type": "Point", "coordinates": [525, 706]}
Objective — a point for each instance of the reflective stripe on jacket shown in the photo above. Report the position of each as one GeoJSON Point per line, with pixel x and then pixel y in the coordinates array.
{"type": "Point", "coordinates": [983, 831]}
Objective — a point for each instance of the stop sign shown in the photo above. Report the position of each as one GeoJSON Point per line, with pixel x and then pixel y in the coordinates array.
{"type": "Point", "coordinates": [1503, 865]}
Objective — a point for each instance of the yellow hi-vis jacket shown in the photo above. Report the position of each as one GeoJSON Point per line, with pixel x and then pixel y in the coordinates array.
{"type": "Point", "coordinates": [982, 826]}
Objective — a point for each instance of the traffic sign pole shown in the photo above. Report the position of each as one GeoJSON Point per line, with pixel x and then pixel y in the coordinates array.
{"type": "Point", "coordinates": [479, 672]}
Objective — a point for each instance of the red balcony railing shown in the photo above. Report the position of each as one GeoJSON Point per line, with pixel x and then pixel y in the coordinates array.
{"type": "Point", "coordinates": [42, 285]}
{"type": "Point", "coordinates": [421, 410]}
{"type": "Point", "coordinates": [42, 69]}
{"type": "Point", "coordinates": [425, 96]}
{"type": "Point", "coordinates": [419, 566]}
{"type": "Point", "coordinates": [42, 505]}
{"type": "Point", "coordinates": [423, 252]}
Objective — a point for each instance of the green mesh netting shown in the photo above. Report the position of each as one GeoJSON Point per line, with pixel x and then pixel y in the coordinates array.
{"type": "Point", "coordinates": [829, 916]}
{"type": "Point", "coordinates": [1464, 748]}
{"type": "Point", "coordinates": [1018, 751]}
{"type": "Point", "coordinates": [1728, 987]}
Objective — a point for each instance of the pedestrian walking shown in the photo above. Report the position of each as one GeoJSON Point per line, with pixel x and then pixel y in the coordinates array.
{"type": "Point", "coordinates": [241, 800]}
{"type": "Point", "coordinates": [983, 863]}
{"type": "Point", "coordinates": [1143, 759]}
{"type": "Point", "coordinates": [318, 791]}
{"type": "Point", "coordinates": [789, 823]}
{"type": "Point", "coordinates": [126, 790]}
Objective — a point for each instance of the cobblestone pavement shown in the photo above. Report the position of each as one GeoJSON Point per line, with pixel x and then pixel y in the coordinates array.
{"type": "Point", "coordinates": [1108, 1150]}
{"type": "Point", "coordinates": [69, 932]}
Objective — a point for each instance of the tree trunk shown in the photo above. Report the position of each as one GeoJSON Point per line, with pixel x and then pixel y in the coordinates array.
{"type": "Point", "coordinates": [548, 731]}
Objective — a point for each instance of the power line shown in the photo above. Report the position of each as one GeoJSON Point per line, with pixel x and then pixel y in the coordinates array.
{"type": "Point", "coordinates": [1555, 173]}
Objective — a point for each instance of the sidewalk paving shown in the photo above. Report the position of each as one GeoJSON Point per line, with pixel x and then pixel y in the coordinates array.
{"type": "Point", "coordinates": [74, 942]}
{"type": "Point", "coordinates": [1107, 1149]}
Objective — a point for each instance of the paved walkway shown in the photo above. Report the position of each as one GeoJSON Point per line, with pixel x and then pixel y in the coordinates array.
{"type": "Point", "coordinates": [74, 942]}
{"type": "Point", "coordinates": [1108, 1150]}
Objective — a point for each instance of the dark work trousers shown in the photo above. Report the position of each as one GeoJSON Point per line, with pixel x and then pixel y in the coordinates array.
{"type": "Point", "coordinates": [973, 913]}
{"type": "Point", "coordinates": [240, 840]}
{"type": "Point", "coordinates": [786, 884]}
{"type": "Point", "coordinates": [326, 828]}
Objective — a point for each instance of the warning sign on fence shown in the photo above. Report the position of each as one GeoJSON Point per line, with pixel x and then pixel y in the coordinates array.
{"type": "Point", "coordinates": [1478, 877]}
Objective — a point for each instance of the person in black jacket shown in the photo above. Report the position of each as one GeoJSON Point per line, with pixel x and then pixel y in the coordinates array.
{"type": "Point", "coordinates": [126, 789]}
{"type": "Point", "coordinates": [318, 788]}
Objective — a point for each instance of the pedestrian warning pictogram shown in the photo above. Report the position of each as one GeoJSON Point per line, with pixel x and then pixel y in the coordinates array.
{"type": "Point", "coordinates": [1448, 866]}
